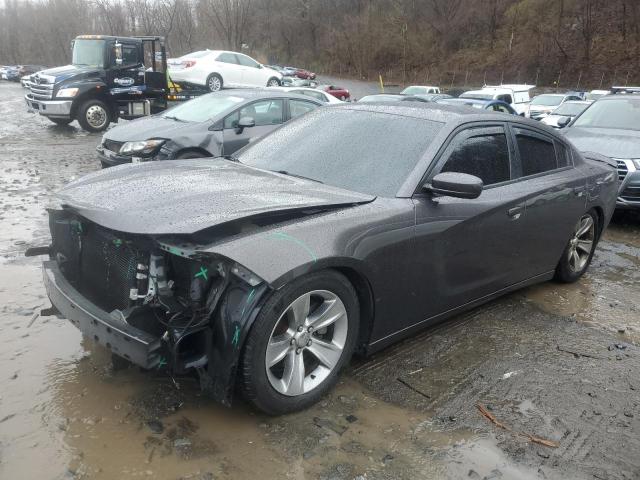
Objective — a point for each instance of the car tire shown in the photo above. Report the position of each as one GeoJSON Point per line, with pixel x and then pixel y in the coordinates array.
{"type": "Point", "coordinates": [578, 253]}
{"type": "Point", "coordinates": [186, 155]}
{"type": "Point", "coordinates": [214, 82]}
{"type": "Point", "coordinates": [61, 121]}
{"type": "Point", "coordinates": [273, 82]}
{"type": "Point", "coordinates": [94, 115]}
{"type": "Point", "coordinates": [326, 294]}
{"type": "Point", "coordinates": [343, 98]}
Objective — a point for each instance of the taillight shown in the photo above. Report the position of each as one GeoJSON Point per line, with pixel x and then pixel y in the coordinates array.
{"type": "Point", "coordinates": [189, 63]}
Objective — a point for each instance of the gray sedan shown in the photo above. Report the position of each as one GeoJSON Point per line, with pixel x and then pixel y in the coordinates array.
{"type": "Point", "coordinates": [213, 125]}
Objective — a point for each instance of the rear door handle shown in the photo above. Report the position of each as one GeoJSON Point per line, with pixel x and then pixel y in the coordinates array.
{"type": "Point", "coordinates": [515, 212]}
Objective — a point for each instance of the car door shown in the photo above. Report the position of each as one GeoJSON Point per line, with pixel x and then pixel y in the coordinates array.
{"type": "Point", "coordinates": [555, 197]}
{"type": "Point", "coordinates": [230, 69]}
{"type": "Point", "coordinates": [268, 114]}
{"type": "Point", "coordinates": [127, 68]}
{"type": "Point", "coordinates": [466, 249]}
{"type": "Point", "coordinates": [252, 74]}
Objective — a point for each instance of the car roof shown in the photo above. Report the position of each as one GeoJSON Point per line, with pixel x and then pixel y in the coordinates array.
{"type": "Point", "coordinates": [578, 102]}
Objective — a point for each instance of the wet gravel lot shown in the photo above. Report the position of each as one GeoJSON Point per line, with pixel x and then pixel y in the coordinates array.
{"type": "Point", "coordinates": [555, 369]}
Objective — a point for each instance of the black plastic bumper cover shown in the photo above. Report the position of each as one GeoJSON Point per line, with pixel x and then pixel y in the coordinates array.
{"type": "Point", "coordinates": [124, 340]}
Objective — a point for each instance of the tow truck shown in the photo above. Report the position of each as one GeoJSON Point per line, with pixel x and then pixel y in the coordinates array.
{"type": "Point", "coordinates": [106, 80]}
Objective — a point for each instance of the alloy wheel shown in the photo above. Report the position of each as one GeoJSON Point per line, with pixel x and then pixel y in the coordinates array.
{"type": "Point", "coordinates": [581, 245]}
{"type": "Point", "coordinates": [96, 116]}
{"type": "Point", "coordinates": [306, 342]}
{"type": "Point", "coordinates": [214, 84]}
{"type": "Point", "coordinates": [273, 83]}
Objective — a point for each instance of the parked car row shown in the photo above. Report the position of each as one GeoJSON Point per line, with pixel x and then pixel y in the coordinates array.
{"type": "Point", "coordinates": [14, 73]}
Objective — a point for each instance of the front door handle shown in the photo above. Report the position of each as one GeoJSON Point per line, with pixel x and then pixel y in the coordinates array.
{"type": "Point", "coordinates": [578, 191]}
{"type": "Point", "coordinates": [515, 212]}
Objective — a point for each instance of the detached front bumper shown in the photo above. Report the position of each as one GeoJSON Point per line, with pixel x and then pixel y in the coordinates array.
{"type": "Point", "coordinates": [49, 108]}
{"type": "Point", "coordinates": [107, 329]}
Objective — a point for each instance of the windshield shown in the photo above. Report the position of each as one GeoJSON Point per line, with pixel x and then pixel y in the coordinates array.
{"type": "Point", "coordinates": [202, 108]}
{"type": "Point", "coordinates": [88, 52]}
{"type": "Point", "coordinates": [478, 96]}
{"type": "Point", "coordinates": [622, 113]}
{"type": "Point", "coordinates": [374, 152]}
{"type": "Point", "coordinates": [550, 100]}
{"type": "Point", "coordinates": [414, 90]}
{"type": "Point", "coordinates": [570, 108]}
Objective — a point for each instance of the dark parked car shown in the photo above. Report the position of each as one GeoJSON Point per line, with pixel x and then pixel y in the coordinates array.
{"type": "Point", "coordinates": [491, 105]}
{"type": "Point", "coordinates": [611, 127]}
{"type": "Point", "coordinates": [433, 97]}
{"type": "Point", "coordinates": [345, 230]}
{"type": "Point", "coordinates": [211, 125]}
{"type": "Point", "coordinates": [391, 97]}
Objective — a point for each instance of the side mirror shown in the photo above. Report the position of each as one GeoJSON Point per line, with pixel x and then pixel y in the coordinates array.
{"type": "Point", "coordinates": [245, 122]}
{"type": "Point", "coordinates": [260, 65]}
{"type": "Point", "coordinates": [117, 48]}
{"type": "Point", "coordinates": [454, 184]}
{"type": "Point", "coordinates": [563, 121]}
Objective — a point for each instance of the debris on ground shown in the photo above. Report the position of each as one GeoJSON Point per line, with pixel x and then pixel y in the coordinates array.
{"type": "Point", "coordinates": [532, 438]}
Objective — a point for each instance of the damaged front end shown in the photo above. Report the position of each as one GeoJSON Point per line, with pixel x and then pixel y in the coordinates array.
{"type": "Point", "coordinates": [154, 301]}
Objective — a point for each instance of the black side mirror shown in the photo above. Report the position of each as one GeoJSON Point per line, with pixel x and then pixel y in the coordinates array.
{"type": "Point", "coordinates": [245, 122]}
{"type": "Point", "coordinates": [563, 121]}
{"type": "Point", "coordinates": [454, 184]}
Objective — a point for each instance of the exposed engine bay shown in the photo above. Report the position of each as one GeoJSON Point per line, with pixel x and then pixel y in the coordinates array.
{"type": "Point", "coordinates": [192, 309]}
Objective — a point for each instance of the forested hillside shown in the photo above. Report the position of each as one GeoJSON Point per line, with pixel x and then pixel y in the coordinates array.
{"type": "Point", "coordinates": [461, 42]}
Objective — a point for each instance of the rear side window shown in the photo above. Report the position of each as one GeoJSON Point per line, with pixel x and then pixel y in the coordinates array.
{"type": "Point", "coordinates": [300, 107]}
{"type": "Point", "coordinates": [505, 98]}
{"type": "Point", "coordinates": [564, 155]}
{"type": "Point", "coordinates": [227, 58]}
{"type": "Point", "coordinates": [537, 155]}
{"type": "Point", "coordinates": [482, 152]}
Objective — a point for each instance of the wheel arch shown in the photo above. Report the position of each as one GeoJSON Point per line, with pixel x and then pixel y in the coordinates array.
{"type": "Point", "coordinates": [198, 150]}
{"type": "Point", "coordinates": [92, 94]}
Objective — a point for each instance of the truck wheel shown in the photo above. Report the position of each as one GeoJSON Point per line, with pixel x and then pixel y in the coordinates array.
{"type": "Point", "coordinates": [94, 115]}
{"type": "Point", "coordinates": [214, 82]}
{"type": "Point", "coordinates": [273, 82]}
{"type": "Point", "coordinates": [61, 121]}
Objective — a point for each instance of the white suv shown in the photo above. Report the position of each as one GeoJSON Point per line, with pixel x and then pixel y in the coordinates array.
{"type": "Point", "coordinates": [215, 69]}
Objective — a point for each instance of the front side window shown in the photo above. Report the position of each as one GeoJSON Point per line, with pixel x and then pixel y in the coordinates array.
{"type": "Point", "coordinates": [300, 107]}
{"type": "Point", "coordinates": [264, 112]}
{"type": "Point", "coordinates": [483, 153]}
{"type": "Point", "coordinates": [537, 155]}
{"type": "Point", "coordinates": [129, 55]}
{"type": "Point", "coordinates": [505, 98]}
{"type": "Point", "coordinates": [246, 61]}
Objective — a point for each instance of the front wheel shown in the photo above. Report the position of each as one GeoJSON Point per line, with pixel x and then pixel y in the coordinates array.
{"type": "Point", "coordinates": [94, 115]}
{"type": "Point", "coordinates": [273, 82]}
{"type": "Point", "coordinates": [578, 253]}
{"type": "Point", "coordinates": [303, 336]}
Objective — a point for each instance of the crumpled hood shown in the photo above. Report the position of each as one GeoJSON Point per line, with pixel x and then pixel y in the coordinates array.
{"type": "Point", "coordinates": [186, 196]}
{"type": "Point", "coordinates": [64, 73]}
{"type": "Point", "coordinates": [146, 128]}
{"type": "Point", "coordinates": [606, 141]}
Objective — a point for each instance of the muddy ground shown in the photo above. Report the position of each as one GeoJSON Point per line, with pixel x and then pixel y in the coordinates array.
{"type": "Point", "coordinates": [557, 366]}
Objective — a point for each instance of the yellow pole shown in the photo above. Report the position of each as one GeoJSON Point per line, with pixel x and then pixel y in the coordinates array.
{"type": "Point", "coordinates": [381, 84]}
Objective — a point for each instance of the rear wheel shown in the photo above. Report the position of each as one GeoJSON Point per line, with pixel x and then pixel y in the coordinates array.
{"type": "Point", "coordinates": [61, 121]}
{"type": "Point", "coordinates": [94, 115]}
{"type": "Point", "coordinates": [214, 82]}
{"type": "Point", "coordinates": [578, 253]}
{"type": "Point", "coordinates": [303, 336]}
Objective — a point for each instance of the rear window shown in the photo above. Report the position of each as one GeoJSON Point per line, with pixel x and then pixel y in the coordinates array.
{"type": "Point", "coordinates": [374, 153]}
{"type": "Point", "coordinates": [200, 54]}
{"type": "Point", "coordinates": [547, 100]}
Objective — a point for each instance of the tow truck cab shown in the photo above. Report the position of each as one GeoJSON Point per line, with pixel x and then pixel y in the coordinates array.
{"type": "Point", "coordinates": [106, 80]}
